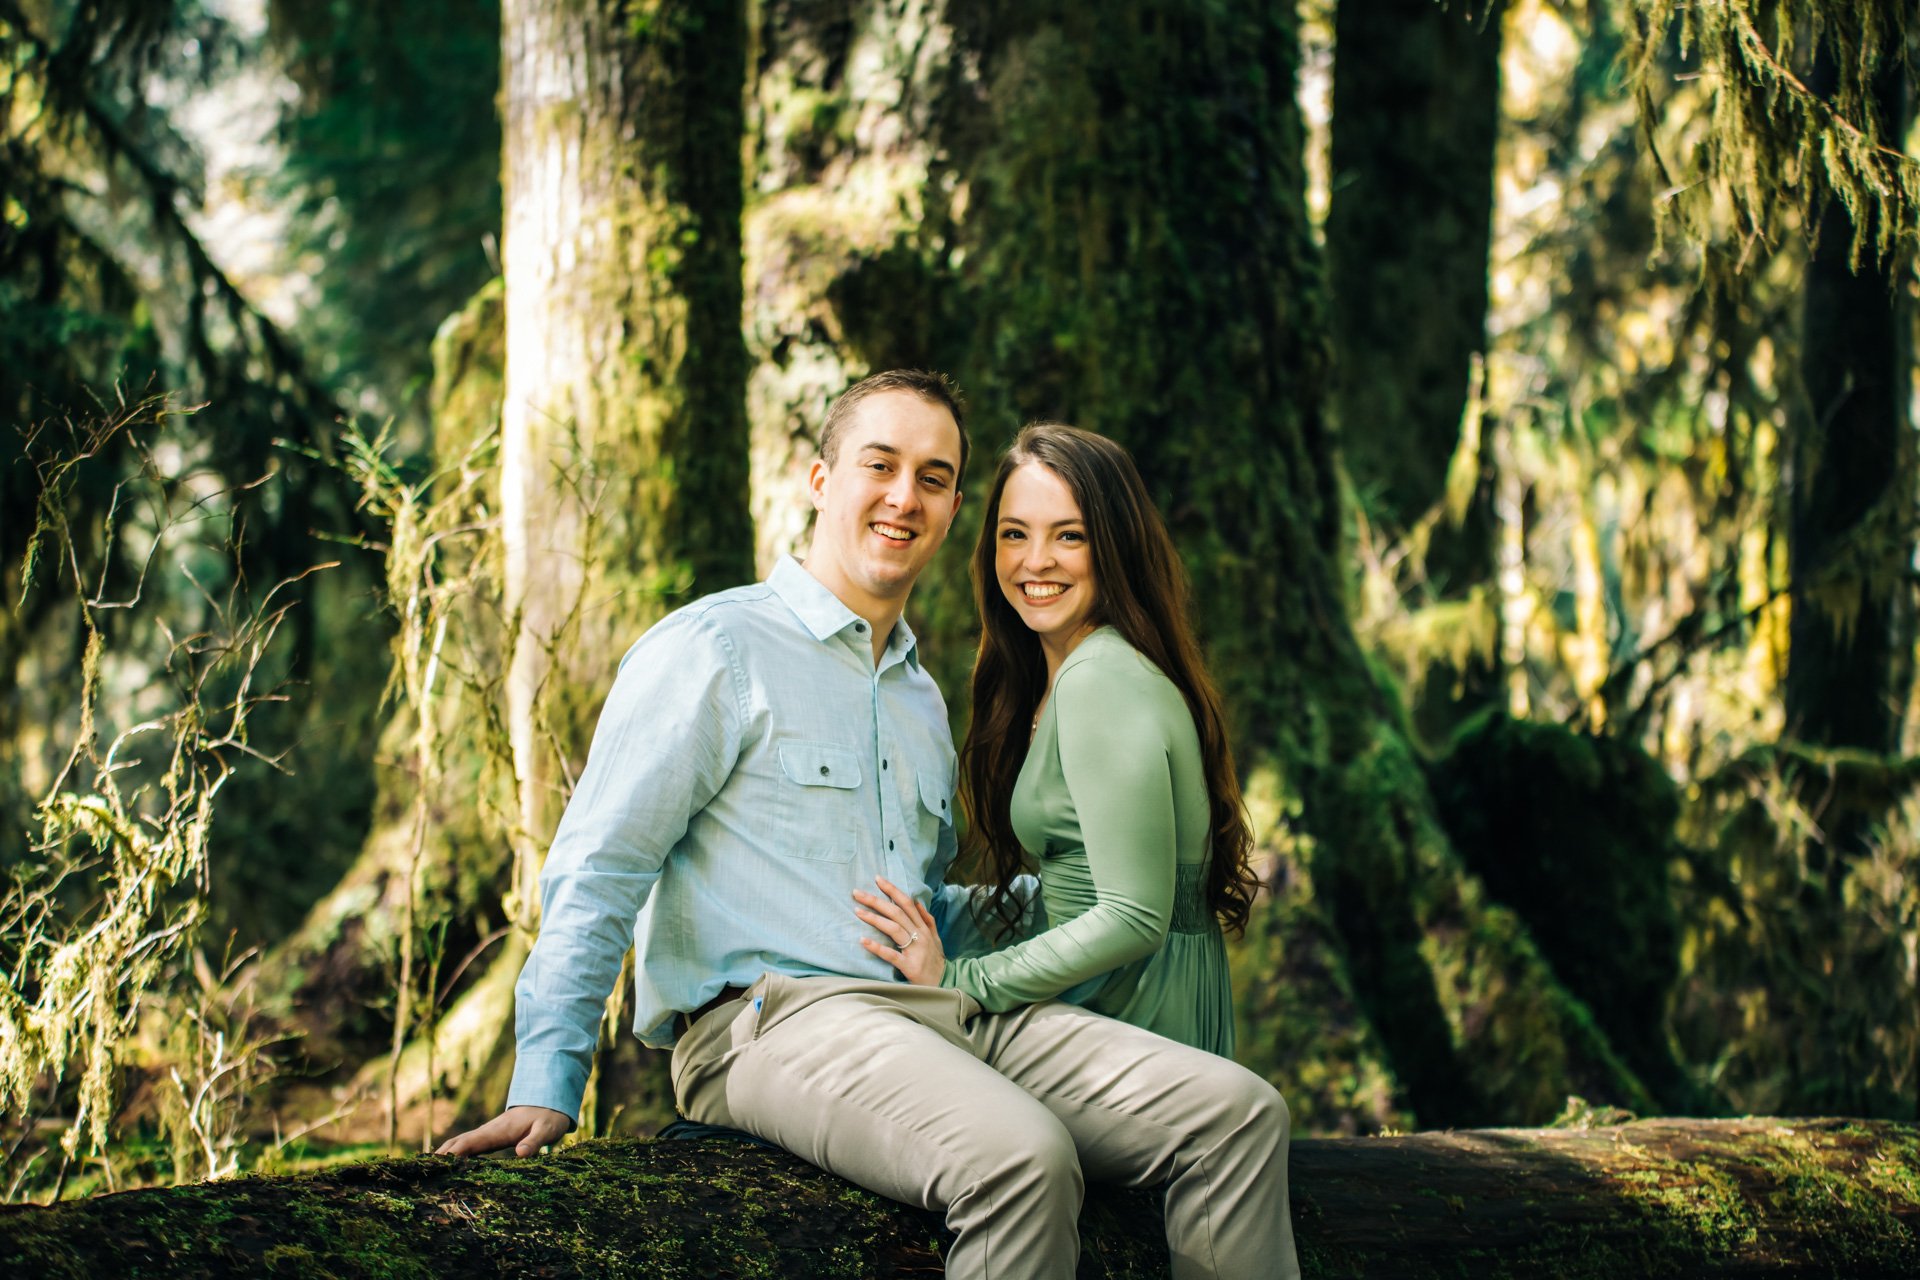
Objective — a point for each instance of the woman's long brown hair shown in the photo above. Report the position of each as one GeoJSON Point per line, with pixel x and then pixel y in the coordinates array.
{"type": "Point", "coordinates": [1140, 589]}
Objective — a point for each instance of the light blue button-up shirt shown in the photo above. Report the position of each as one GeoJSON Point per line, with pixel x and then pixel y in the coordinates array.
{"type": "Point", "coordinates": [752, 767]}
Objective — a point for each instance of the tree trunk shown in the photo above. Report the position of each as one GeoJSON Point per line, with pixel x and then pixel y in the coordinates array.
{"type": "Point", "coordinates": [1416, 110]}
{"type": "Point", "coordinates": [624, 430]}
{"type": "Point", "coordinates": [870, 131]}
{"type": "Point", "coordinates": [1657, 1197]}
{"type": "Point", "coordinates": [623, 485]}
{"type": "Point", "coordinates": [1851, 532]}
{"type": "Point", "coordinates": [837, 119]}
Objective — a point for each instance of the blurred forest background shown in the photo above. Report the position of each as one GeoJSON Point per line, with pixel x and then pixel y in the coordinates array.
{"type": "Point", "coordinates": [1528, 384]}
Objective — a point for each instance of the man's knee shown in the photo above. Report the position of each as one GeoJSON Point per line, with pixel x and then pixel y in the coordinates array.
{"type": "Point", "coordinates": [1034, 1160]}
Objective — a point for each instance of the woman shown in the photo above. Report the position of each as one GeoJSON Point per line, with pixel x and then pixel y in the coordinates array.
{"type": "Point", "coordinates": [1097, 750]}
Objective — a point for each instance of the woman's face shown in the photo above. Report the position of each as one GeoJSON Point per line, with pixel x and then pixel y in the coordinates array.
{"type": "Point", "coordinates": [1041, 556]}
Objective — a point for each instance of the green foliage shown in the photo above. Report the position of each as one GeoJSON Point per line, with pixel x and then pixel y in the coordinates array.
{"type": "Point", "coordinates": [1791, 114]}
{"type": "Point", "coordinates": [1800, 983]}
{"type": "Point", "coordinates": [391, 162]}
{"type": "Point", "coordinates": [104, 282]}
{"type": "Point", "coordinates": [1632, 415]}
{"type": "Point", "coordinates": [98, 919]}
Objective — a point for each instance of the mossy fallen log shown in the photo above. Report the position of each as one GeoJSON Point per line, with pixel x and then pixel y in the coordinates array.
{"type": "Point", "coordinates": [1651, 1198]}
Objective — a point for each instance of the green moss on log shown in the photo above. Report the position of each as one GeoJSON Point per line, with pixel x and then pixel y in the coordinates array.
{"type": "Point", "coordinates": [1668, 1197]}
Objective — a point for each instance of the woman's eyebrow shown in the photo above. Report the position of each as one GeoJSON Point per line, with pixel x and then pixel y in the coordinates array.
{"type": "Point", "coordinates": [1057, 524]}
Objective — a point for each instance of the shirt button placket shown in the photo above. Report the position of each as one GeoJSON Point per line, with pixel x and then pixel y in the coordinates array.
{"type": "Point", "coordinates": [894, 856]}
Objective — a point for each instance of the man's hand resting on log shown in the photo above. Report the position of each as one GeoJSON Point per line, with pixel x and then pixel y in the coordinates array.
{"type": "Point", "coordinates": [525, 1129]}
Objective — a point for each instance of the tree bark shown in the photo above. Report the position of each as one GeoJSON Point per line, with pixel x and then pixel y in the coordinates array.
{"type": "Point", "coordinates": [623, 426]}
{"type": "Point", "coordinates": [624, 438]}
{"type": "Point", "coordinates": [839, 133]}
{"type": "Point", "coordinates": [1851, 533]}
{"type": "Point", "coordinates": [1658, 1197]}
{"type": "Point", "coordinates": [1416, 111]}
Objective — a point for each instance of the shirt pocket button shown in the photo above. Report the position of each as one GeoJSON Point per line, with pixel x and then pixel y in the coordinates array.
{"type": "Point", "coordinates": [820, 803]}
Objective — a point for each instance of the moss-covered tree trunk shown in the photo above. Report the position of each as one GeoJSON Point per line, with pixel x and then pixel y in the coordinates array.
{"type": "Point", "coordinates": [840, 146]}
{"type": "Point", "coordinates": [624, 440]}
{"type": "Point", "coordinates": [1416, 109]}
{"type": "Point", "coordinates": [1656, 1198]}
{"type": "Point", "coordinates": [1851, 480]}
{"type": "Point", "coordinates": [623, 469]}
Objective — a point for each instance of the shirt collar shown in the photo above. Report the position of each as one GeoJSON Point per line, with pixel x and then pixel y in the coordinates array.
{"type": "Point", "coordinates": [824, 614]}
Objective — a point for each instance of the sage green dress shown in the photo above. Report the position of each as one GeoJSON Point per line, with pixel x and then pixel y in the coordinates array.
{"type": "Point", "coordinates": [1112, 804]}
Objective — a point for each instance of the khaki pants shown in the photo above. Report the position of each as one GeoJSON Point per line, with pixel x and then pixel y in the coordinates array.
{"type": "Point", "coordinates": [996, 1119]}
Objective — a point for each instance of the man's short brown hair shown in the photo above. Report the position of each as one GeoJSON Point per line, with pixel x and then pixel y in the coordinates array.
{"type": "Point", "coordinates": [934, 388]}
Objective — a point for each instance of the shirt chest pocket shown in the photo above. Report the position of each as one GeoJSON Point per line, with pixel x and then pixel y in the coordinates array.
{"type": "Point", "coordinates": [936, 804]}
{"type": "Point", "coordinates": [819, 801]}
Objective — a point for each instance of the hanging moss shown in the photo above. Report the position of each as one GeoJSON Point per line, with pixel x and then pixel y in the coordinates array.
{"type": "Point", "coordinates": [1777, 137]}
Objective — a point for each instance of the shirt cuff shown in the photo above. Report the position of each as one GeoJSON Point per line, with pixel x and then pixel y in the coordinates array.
{"type": "Point", "coordinates": [549, 1080]}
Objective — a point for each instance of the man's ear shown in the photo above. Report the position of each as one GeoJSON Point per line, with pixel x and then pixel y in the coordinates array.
{"type": "Point", "coordinates": [817, 483]}
{"type": "Point", "coordinates": [951, 515]}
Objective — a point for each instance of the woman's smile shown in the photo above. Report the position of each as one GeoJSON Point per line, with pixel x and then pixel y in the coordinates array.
{"type": "Point", "coordinates": [1042, 558]}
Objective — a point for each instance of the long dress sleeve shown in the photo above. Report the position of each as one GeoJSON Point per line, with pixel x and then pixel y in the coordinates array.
{"type": "Point", "coordinates": [1115, 757]}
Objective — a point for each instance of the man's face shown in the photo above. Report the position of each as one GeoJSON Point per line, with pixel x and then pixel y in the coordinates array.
{"type": "Point", "coordinates": [886, 503]}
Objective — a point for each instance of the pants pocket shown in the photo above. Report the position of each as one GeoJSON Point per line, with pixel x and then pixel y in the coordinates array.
{"type": "Point", "coordinates": [747, 1023]}
{"type": "Point", "coordinates": [703, 1054]}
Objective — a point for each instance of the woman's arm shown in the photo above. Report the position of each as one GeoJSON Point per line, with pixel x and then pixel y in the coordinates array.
{"type": "Point", "coordinates": [1114, 751]}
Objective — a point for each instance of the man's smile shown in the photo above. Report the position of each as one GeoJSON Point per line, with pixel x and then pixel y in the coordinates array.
{"type": "Point", "coordinates": [893, 532]}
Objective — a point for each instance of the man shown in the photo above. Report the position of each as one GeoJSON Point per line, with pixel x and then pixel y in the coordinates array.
{"type": "Point", "coordinates": [766, 752]}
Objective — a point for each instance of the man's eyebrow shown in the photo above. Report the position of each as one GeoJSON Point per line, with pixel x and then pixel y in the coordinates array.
{"type": "Point", "coordinates": [936, 464]}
